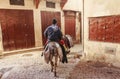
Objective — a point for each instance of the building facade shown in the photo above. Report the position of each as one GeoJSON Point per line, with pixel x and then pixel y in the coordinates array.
{"type": "Point", "coordinates": [23, 23]}
{"type": "Point", "coordinates": [102, 30]}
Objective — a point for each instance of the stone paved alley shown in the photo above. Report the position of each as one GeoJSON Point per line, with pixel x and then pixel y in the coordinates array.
{"type": "Point", "coordinates": [32, 66]}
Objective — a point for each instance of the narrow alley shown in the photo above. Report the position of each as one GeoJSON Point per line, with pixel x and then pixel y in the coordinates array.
{"type": "Point", "coordinates": [32, 66]}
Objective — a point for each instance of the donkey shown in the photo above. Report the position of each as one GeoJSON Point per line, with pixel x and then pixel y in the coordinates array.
{"type": "Point", "coordinates": [53, 51]}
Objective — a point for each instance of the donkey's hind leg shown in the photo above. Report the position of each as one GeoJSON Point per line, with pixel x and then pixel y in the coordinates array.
{"type": "Point", "coordinates": [52, 65]}
{"type": "Point", "coordinates": [55, 67]}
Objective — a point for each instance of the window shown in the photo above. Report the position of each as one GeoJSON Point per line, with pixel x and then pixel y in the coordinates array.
{"type": "Point", "coordinates": [50, 4]}
{"type": "Point", "coordinates": [17, 2]}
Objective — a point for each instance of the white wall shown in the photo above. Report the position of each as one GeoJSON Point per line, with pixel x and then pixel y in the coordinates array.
{"type": "Point", "coordinates": [75, 5]}
{"type": "Point", "coordinates": [97, 50]}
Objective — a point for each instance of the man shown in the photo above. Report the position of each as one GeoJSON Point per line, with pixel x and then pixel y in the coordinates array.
{"type": "Point", "coordinates": [53, 33]}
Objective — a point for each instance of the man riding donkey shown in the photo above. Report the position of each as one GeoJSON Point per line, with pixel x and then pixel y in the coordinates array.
{"type": "Point", "coordinates": [54, 34]}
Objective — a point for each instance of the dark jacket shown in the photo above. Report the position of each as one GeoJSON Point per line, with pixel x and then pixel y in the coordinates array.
{"type": "Point", "coordinates": [53, 33]}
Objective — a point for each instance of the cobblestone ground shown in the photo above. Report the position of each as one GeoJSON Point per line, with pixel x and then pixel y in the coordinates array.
{"type": "Point", "coordinates": [32, 66]}
{"type": "Point", "coordinates": [94, 70]}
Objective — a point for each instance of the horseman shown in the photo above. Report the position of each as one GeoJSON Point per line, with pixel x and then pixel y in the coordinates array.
{"type": "Point", "coordinates": [53, 33]}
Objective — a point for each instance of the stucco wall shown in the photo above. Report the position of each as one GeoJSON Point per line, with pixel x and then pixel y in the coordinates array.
{"type": "Point", "coordinates": [78, 27]}
{"type": "Point", "coordinates": [98, 50]}
{"type": "Point", "coordinates": [75, 5]}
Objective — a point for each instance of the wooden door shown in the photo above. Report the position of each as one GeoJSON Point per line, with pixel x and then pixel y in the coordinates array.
{"type": "Point", "coordinates": [116, 29]}
{"type": "Point", "coordinates": [11, 20]}
{"type": "Point", "coordinates": [109, 29]}
{"type": "Point", "coordinates": [46, 20]}
{"type": "Point", "coordinates": [70, 23]}
{"type": "Point", "coordinates": [4, 29]}
{"type": "Point", "coordinates": [101, 29]}
{"type": "Point", "coordinates": [29, 33]}
{"type": "Point", "coordinates": [93, 23]}
{"type": "Point", "coordinates": [17, 29]}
